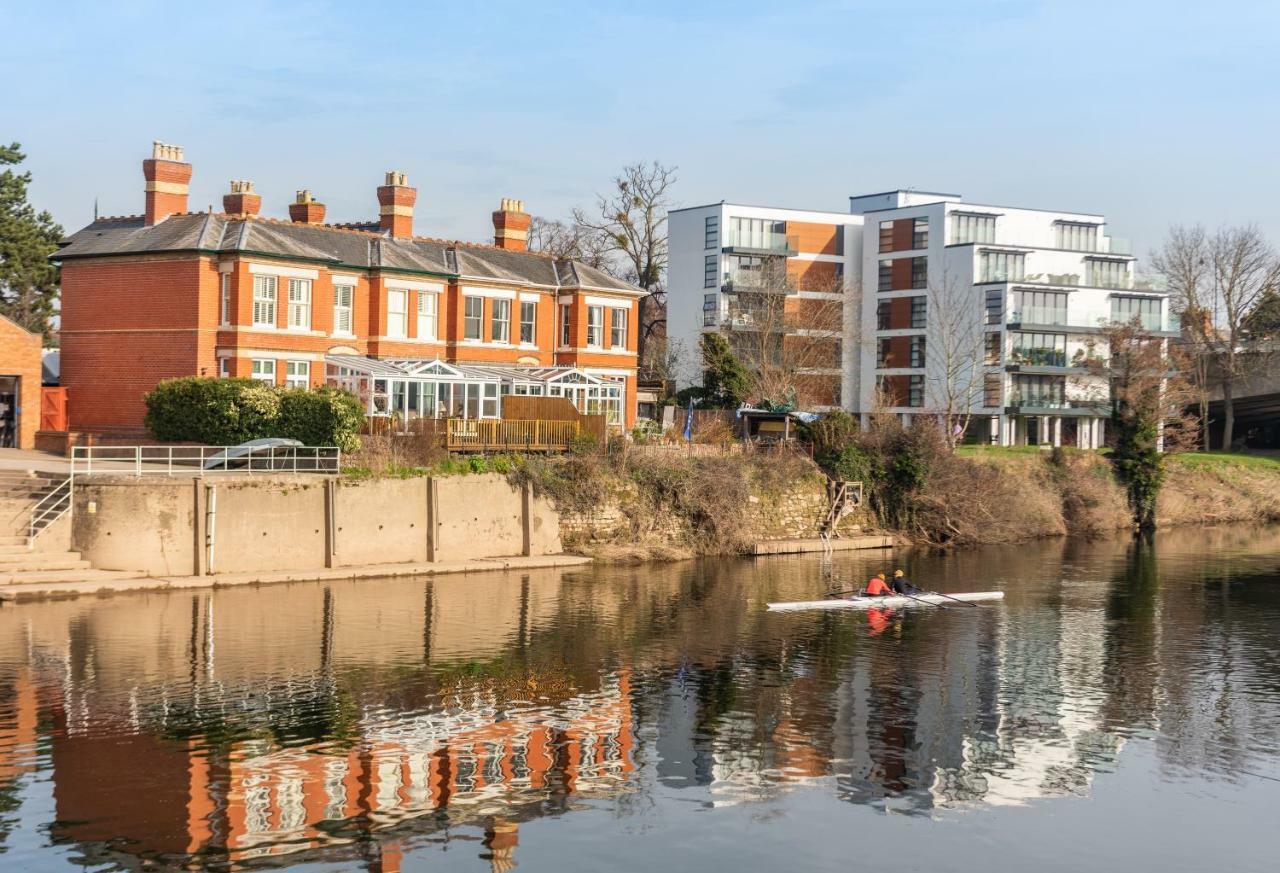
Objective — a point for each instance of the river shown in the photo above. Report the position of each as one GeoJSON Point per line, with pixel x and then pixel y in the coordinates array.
{"type": "Point", "coordinates": [1119, 710]}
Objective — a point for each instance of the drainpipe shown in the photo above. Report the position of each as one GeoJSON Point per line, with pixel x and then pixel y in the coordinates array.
{"type": "Point", "coordinates": [210, 527]}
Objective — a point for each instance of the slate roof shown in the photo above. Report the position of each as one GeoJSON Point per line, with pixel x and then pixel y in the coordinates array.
{"type": "Point", "coordinates": [340, 247]}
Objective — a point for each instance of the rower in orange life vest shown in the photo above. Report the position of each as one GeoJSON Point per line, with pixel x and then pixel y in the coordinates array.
{"type": "Point", "coordinates": [877, 587]}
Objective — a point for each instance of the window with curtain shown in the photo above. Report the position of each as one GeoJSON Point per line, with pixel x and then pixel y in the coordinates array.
{"type": "Point", "coordinates": [300, 304]}
{"type": "Point", "coordinates": [1106, 273]}
{"type": "Point", "coordinates": [920, 233]}
{"type": "Point", "coordinates": [886, 236]}
{"type": "Point", "coordinates": [427, 313]}
{"type": "Point", "coordinates": [472, 317]}
{"type": "Point", "coordinates": [264, 300]}
{"type": "Point", "coordinates": [1146, 309]}
{"type": "Point", "coordinates": [397, 317]}
{"type": "Point", "coordinates": [1002, 266]}
{"type": "Point", "coordinates": [528, 321]}
{"type": "Point", "coordinates": [991, 348]}
{"type": "Point", "coordinates": [500, 321]}
{"type": "Point", "coordinates": [1076, 236]}
{"type": "Point", "coordinates": [342, 298]}
{"type": "Point", "coordinates": [1039, 307]}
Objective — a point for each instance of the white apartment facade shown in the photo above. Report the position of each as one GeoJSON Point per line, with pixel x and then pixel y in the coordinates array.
{"type": "Point", "coordinates": [1004, 305]}
{"type": "Point", "coordinates": [714, 250]}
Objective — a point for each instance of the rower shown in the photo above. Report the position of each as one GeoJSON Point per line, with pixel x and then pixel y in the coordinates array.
{"type": "Point", "coordinates": [877, 587]}
{"type": "Point", "coordinates": [902, 585]}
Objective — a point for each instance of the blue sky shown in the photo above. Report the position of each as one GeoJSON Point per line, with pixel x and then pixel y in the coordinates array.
{"type": "Point", "coordinates": [1150, 112]}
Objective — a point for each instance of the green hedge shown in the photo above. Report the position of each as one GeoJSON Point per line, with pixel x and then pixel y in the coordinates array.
{"type": "Point", "coordinates": [226, 412]}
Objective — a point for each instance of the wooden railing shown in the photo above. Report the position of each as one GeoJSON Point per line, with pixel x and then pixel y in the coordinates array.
{"type": "Point", "coordinates": [490, 434]}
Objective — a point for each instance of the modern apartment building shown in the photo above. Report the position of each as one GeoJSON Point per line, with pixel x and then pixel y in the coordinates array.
{"type": "Point", "coordinates": [417, 326]}
{"type": "Point", "coordinates": [726, 259]}
{"type": "Point", "coordinates": [987, 311]}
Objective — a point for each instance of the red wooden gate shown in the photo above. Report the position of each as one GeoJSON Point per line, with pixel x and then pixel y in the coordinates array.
{"type": "Point", "coordinates": [53, 409]}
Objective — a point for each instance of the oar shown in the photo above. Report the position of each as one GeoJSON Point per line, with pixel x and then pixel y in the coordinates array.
{"type": "Point", "coordinates": [838, 593]}
{"type": "Point", "coordinates": [922, 600]}
{"type": "Point", "coordinates": [956, 599]}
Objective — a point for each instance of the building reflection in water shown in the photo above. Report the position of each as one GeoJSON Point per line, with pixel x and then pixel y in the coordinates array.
{"type": "Point", "coordinates": [360, 721]}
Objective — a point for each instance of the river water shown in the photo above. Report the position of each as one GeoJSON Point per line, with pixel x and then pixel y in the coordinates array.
{"type": "Point", "coordinates": [1119, 710]}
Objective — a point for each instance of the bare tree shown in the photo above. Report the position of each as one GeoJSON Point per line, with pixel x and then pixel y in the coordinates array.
{"type": "Point", "coordinates": [955, 355]}
{"type": "Point", "coordinates": [664, 358]}
{"type": "Point", "coordinates": [1218, 282]}
{"type": "Point", "coordinates": [632, 220]}
{"type": "Point", "coordinates": [788, 332]}
{"type": "Point", "coordinates": [1183, 260]}
{"type": "Point", "coordinates": [571, 240]}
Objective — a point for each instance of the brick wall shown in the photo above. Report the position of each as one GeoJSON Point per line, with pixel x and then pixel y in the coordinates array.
{"type": "Point", "coordinates": [20, 357]}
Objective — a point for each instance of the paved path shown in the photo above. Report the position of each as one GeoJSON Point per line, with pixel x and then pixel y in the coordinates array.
{"type": "Point", "coordinates": [106, 582]}
{"type": "Point", "coordinates": [26, 460]}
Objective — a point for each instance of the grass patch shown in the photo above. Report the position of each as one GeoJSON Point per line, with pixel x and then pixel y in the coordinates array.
{"type": "Point", "coordinates": [996, 452]}
{"type": "Point", "coordinates": [1220, 460]}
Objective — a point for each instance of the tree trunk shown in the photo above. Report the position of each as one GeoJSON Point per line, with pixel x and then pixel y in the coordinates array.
{"type": "Point", "coordinates": [641, 311]}
{"type": "Point", "coordinates": [1228, 414]}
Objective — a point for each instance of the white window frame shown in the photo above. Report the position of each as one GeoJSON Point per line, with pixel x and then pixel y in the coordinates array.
{"type": "Point", "coordinates": [566, 336]}
{"type": "Point", "coordinates": [531, 322]}
{"type": "Point", "coordinates": [470, 321]}
{"type": "Point", "coordinates": [398, 317]}
{"type": "Point", "coordinates": [263, 370]}
{"type": "Point", "coordinates": [343, 309]}
{"type": "Point", "coordinates": [595, 327]}
{"type": "Point", "coordinates": [428, 314]}
{"type": "Point", "coordinates": [500, 320]}
{"type": "Point", "coordinates": [617, 315]}
{"type": "Point", "coordinates": [226, 299]}
{"type": "Point", "coordinates": [299, 304]}
{"type": "Point", "coordinates": [297, 374]}
{"type": "Point", "coordinates": [224, 368]}
{"type": "Point", "coordinates": [265, 294]}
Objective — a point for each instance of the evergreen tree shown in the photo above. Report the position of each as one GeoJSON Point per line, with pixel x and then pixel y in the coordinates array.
{"type": "Point", "coordinates": [1264, 321]}
{"type": "Point", "coordinates": [725, 381]}
{"type": "Point", "coordinates": [28, 282]}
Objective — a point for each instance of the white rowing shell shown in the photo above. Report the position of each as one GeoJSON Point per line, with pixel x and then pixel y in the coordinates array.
{"type": "Point", "coordinates": [873, 602]}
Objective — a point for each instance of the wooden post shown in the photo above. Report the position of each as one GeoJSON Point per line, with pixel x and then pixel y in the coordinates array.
{"type": "Point", "coordinates": [330, 523]}
{"type": "Point", "coordinates": [433, 519]}
{"type": "Point", "coordinates": [198, 547]}
{"type": "Point", "coordinates": [526, 520]}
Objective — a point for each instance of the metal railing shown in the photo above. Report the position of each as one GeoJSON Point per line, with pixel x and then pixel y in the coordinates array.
{"type": "Point", "coordinates": [199, 460]}
{"type": "Point", "coordinates": [49, 509]}
{"type": "Point", "coordinates": [485, 434]}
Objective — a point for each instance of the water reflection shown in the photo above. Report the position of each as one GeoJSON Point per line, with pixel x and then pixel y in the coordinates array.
{"type": "Point", "coordinates": [358, 722]}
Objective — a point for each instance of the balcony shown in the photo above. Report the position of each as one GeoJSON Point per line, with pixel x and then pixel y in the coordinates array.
{"type": "Point", "coordinates": [1088, 321]}
{"type": "Point", "coordinates": [762, 244]}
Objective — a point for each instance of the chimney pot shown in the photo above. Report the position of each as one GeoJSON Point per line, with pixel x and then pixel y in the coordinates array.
{"type": "Point", "coordinates": [395, 205]}
{"type": "Point", "coordinates": [242, 200]}
{"type": "Point", "coordinates": [168, 179]}
{"type": "Point", "coordinates": [511, 226]}
{"type": "Point", "coordinates": [305, 210]}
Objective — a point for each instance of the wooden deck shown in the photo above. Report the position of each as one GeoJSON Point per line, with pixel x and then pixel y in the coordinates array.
{"type": "Point", "coordinates": [495, 435]}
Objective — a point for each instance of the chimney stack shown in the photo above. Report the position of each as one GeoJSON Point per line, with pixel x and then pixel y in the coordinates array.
{"type": "Point", "coordinates": [395, 202]}
{"type": "Point", "coordinates": [305, 210]}
{"type": "Point", "coordinates": [168, 181]}
{"type": "Point", "coordinates": [511, 226]}
{"type": "Point", "coordinates": [242, 200]}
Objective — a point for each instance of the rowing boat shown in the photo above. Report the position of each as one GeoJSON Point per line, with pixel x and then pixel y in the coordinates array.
{"type": "Point", "coordinates": [892, 600]}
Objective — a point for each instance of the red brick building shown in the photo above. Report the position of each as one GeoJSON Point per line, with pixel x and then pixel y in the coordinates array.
{"type": "Point", "coordinates": [171, 293]}
{"type": "Point", "coordinates": [20, 373]}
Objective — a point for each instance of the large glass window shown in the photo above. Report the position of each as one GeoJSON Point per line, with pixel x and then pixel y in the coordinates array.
{"type": "Point", "coordinates": [711, 232]}
{"type": "Point", "coordinates": [711, 271]}
{"type": "Point", "coordinates": [884, 281]}
{"type": "Point", "coordinates": [489, 409]}
{"type": "Point", "coordinates": [992, 389]}
{"type": "Point", "coordinates": [884, 315]}
{"type": "Point", "coordinates": [1002, 266]}
{"type": "Point", "coordinates": [1044, 392]}
{"type": "Point", "coordinates": [991, 348]}
{"type": "Point", "coordinates": [300, 304]}
{"type": "Point", "coordinates": [342, 298]}
{"type": "Point", "coordinates": [915, 391]}
{"type": "Point", "coordinates": [758, 233]}
{"type": "Point", "coordinates": [1145, 309]}
{"type": "Point", "coordinates": [710, 309]}
{"type": "Point", "coordinates": [500, 321]}
{"type": "Point", "coordinates": [565, 335]}
{"type": "Point", "coordinates": [1076, 236]}
{"type": "Point", "coordinates": [919, 233]}
{"type": "Point", "coordinates": [528, 321]}
{"type": "Point", "coordinates": [1039, 349]}
{"type": "Point", "coordinates": [264, 300]}
{"type": "Point", "coordinates": [618, 328]}
{"type": "Point", "coordinates": [472, 317]}
{"type": "Point", "coordinates": [397, 316]}
{"type": "Point", "coordinates": [746, 271]}
{"type": "Point", "coordinates": [595, 326]}
{"type": "Point", "coordinates": [886, 236]}
{"type": "Point", "coordinates": [917, 351]}
{"type": "Point", "coordinates": [427, 314]}
{"type": "Point", "coordinates": [919, 273]}
{"type": "Point", "coordinates": [226, 298]}
{"type": "Point", "coordinates": [995, 307]}
{"type": "Point", "coordinates": [1039, 307]}
{"type": "Point", "coordinates": [919, 311]}
{"type": "Point", "coordinates": [1106, 273]}
{"type": "Point", "coordinates": [968, 227]}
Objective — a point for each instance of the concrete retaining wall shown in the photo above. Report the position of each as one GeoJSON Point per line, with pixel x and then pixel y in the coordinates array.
{"type": "Point", "coordinates": [237, 524]}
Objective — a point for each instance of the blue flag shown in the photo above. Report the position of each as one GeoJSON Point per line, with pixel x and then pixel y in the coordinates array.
{"type": "Point", "coordinates": [688, 422]}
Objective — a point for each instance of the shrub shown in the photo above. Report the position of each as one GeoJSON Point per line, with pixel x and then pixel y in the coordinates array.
{"type": "Point", "coordinates": [323, 417]}
{"type": "Point", "coordinates": [226, 412]}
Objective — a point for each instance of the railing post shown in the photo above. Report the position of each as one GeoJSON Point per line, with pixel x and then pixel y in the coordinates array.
{"type": "Point", "coordinates": [137, 461]}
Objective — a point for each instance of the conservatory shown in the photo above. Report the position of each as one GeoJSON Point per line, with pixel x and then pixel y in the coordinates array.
{"type": "Point", "coordinates": [410, 389]}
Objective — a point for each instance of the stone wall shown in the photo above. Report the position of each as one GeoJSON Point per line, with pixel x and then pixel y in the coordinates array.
{"type": "Point", "coordinates": [164, 526]}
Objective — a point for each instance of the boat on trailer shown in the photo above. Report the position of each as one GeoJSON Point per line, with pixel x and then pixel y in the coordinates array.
{"type": "Point", "coordinates": [890, 600]}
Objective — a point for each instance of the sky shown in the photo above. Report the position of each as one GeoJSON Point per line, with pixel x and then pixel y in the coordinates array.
{"type": "Point", "coordinates": [1151, 113]}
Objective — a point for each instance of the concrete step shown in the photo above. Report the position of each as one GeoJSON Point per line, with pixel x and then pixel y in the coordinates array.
{"type": "Point", "coordinates": [43, 562]}
{"type": "Point", "coordinates": [15, 550]}
{"type": "Point", "coordinates": [17, 557]}
{"type": "Point", "coordinates": [13, 540]}
{"type": "Point", "coordinates": [11, 583]}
